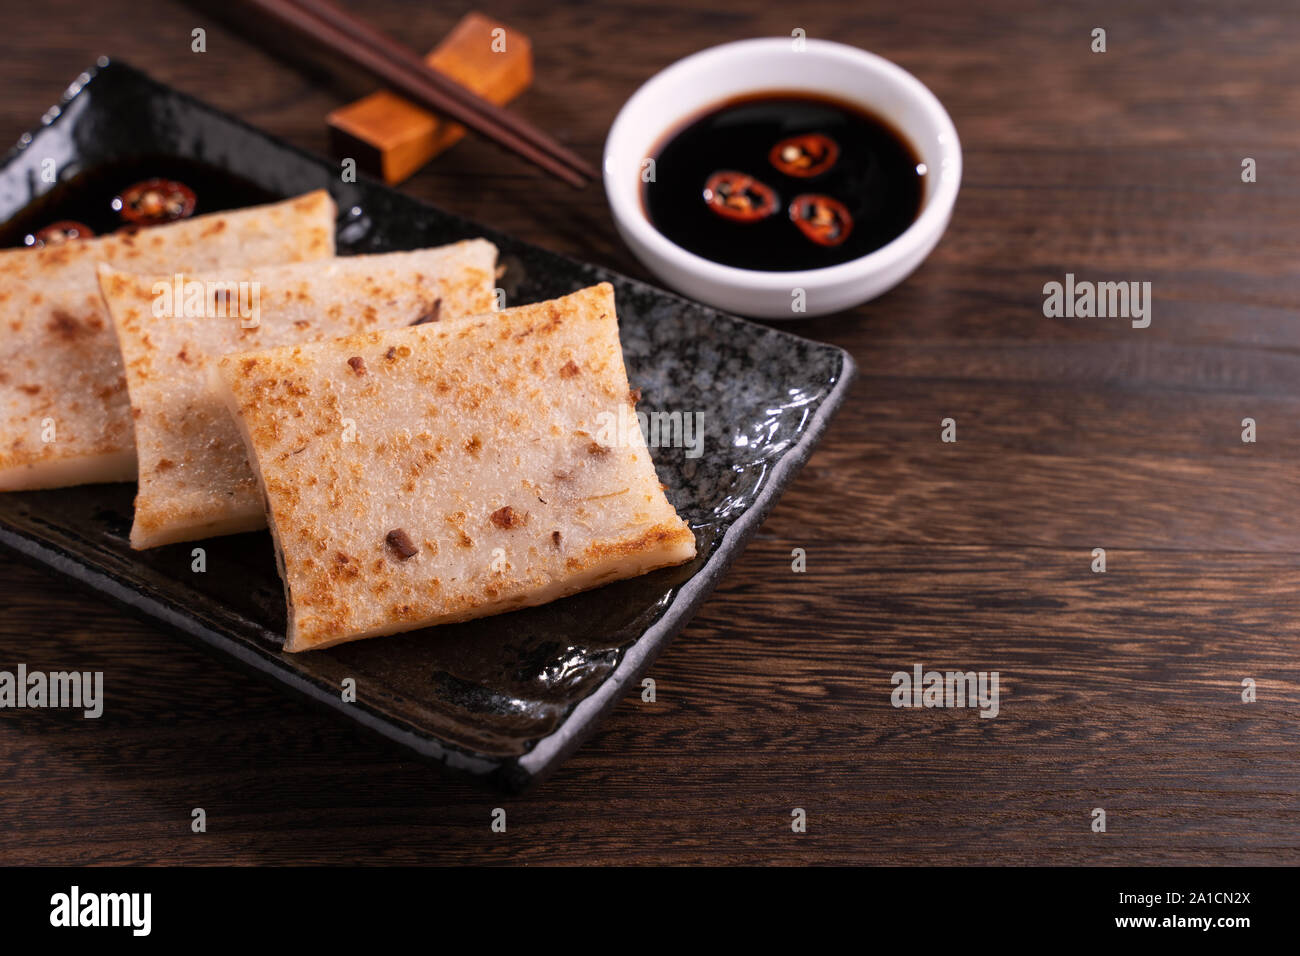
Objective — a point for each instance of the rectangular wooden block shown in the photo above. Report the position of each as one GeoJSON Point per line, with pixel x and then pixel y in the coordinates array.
{"type": "Point", "coordinates": [391, 138]}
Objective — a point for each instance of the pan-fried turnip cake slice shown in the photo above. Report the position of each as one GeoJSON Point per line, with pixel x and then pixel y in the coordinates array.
{"type": "Point", "coordinates": [64, 415]}
{"type": "Point", "coordinates": [448, 471]}
{"type": "Point", "coordinates": [195, 480]}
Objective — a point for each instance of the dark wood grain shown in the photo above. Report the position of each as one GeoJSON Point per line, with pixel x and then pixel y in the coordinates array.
{"type": "Point", "coordinates": [1120, 690]}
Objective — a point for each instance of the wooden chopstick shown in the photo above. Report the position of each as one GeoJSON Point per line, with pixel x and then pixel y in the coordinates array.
{"type": "Point", "coordinates": [356, 43]}
{"type": "Point", "coordinates": [332, 13]}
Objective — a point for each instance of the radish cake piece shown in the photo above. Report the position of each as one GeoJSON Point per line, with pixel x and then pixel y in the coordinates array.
{"type": "Point", "coordinates": [64, 414]}
{"type": "Point", "coordinates": [449, 471]}
{"type": "Point", "coordinates": [194, 476]}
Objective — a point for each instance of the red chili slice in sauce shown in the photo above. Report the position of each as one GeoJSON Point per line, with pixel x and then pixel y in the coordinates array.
{"type": "Point", "coordinates": [739, 197]}
{"type": "Point", "coordinates": [822, 219]}
{"type": "Point", "coordinates": [154, 201]}
{"type": "Point", "coordinates": [805, 156]}
{"type": "Point", "coordinates": [59, 232]}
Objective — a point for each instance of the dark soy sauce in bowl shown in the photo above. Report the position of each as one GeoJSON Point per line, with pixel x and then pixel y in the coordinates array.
{"type": "Point", "coordinates": [868, 170]}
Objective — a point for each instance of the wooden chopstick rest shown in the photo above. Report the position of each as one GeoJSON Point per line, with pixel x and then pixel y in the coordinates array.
{"type": "Point", "coordinates": [390, 137]}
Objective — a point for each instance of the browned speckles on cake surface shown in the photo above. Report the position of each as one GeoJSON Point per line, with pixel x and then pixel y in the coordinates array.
{"type": "Point", "coordinates": [507, 517]}
{"type": "Point", "coordinates": [168, 360]}
{"type": "Point", "coordinates": [510, 508]}
{"type": "Point", "coordinates": [399, 542]}
{"type": "Point", "coordinates": [64, 326]}
{"type": "Point", "coordinates": [50, 306]}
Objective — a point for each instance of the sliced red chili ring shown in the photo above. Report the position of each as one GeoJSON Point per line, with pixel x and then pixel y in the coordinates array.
{"type": "Point", "coordinates": [739, 197]}
{"type": "Point", "coordinates": [61, 231]}
{"type": "Point", "coordinates": [154, 201]}
{"type": "Point", "coordinates": [805, 156]}
{"type": "Point", "coordinates": [822, 219]}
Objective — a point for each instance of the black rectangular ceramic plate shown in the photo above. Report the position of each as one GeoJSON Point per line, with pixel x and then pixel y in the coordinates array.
{"type": "Point", "coordinates": [504, 698]}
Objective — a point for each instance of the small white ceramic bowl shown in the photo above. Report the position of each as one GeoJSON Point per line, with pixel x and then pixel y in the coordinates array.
{"type": "Point", "coordinates": [690, 87]}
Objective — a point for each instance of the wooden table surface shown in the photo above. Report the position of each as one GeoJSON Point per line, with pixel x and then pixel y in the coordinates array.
{"type": "Point", "coordinates": [1120, 690]}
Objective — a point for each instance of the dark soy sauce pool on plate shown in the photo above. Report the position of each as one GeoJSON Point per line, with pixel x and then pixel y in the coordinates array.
{"type": "Point", "coordinates": [876, 175]}
{"type": "Point", "coordinates": [87, 197]}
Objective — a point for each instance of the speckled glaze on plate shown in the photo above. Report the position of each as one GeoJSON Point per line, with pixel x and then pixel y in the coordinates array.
{"type": "Point", "coordinates": [504, 698]}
